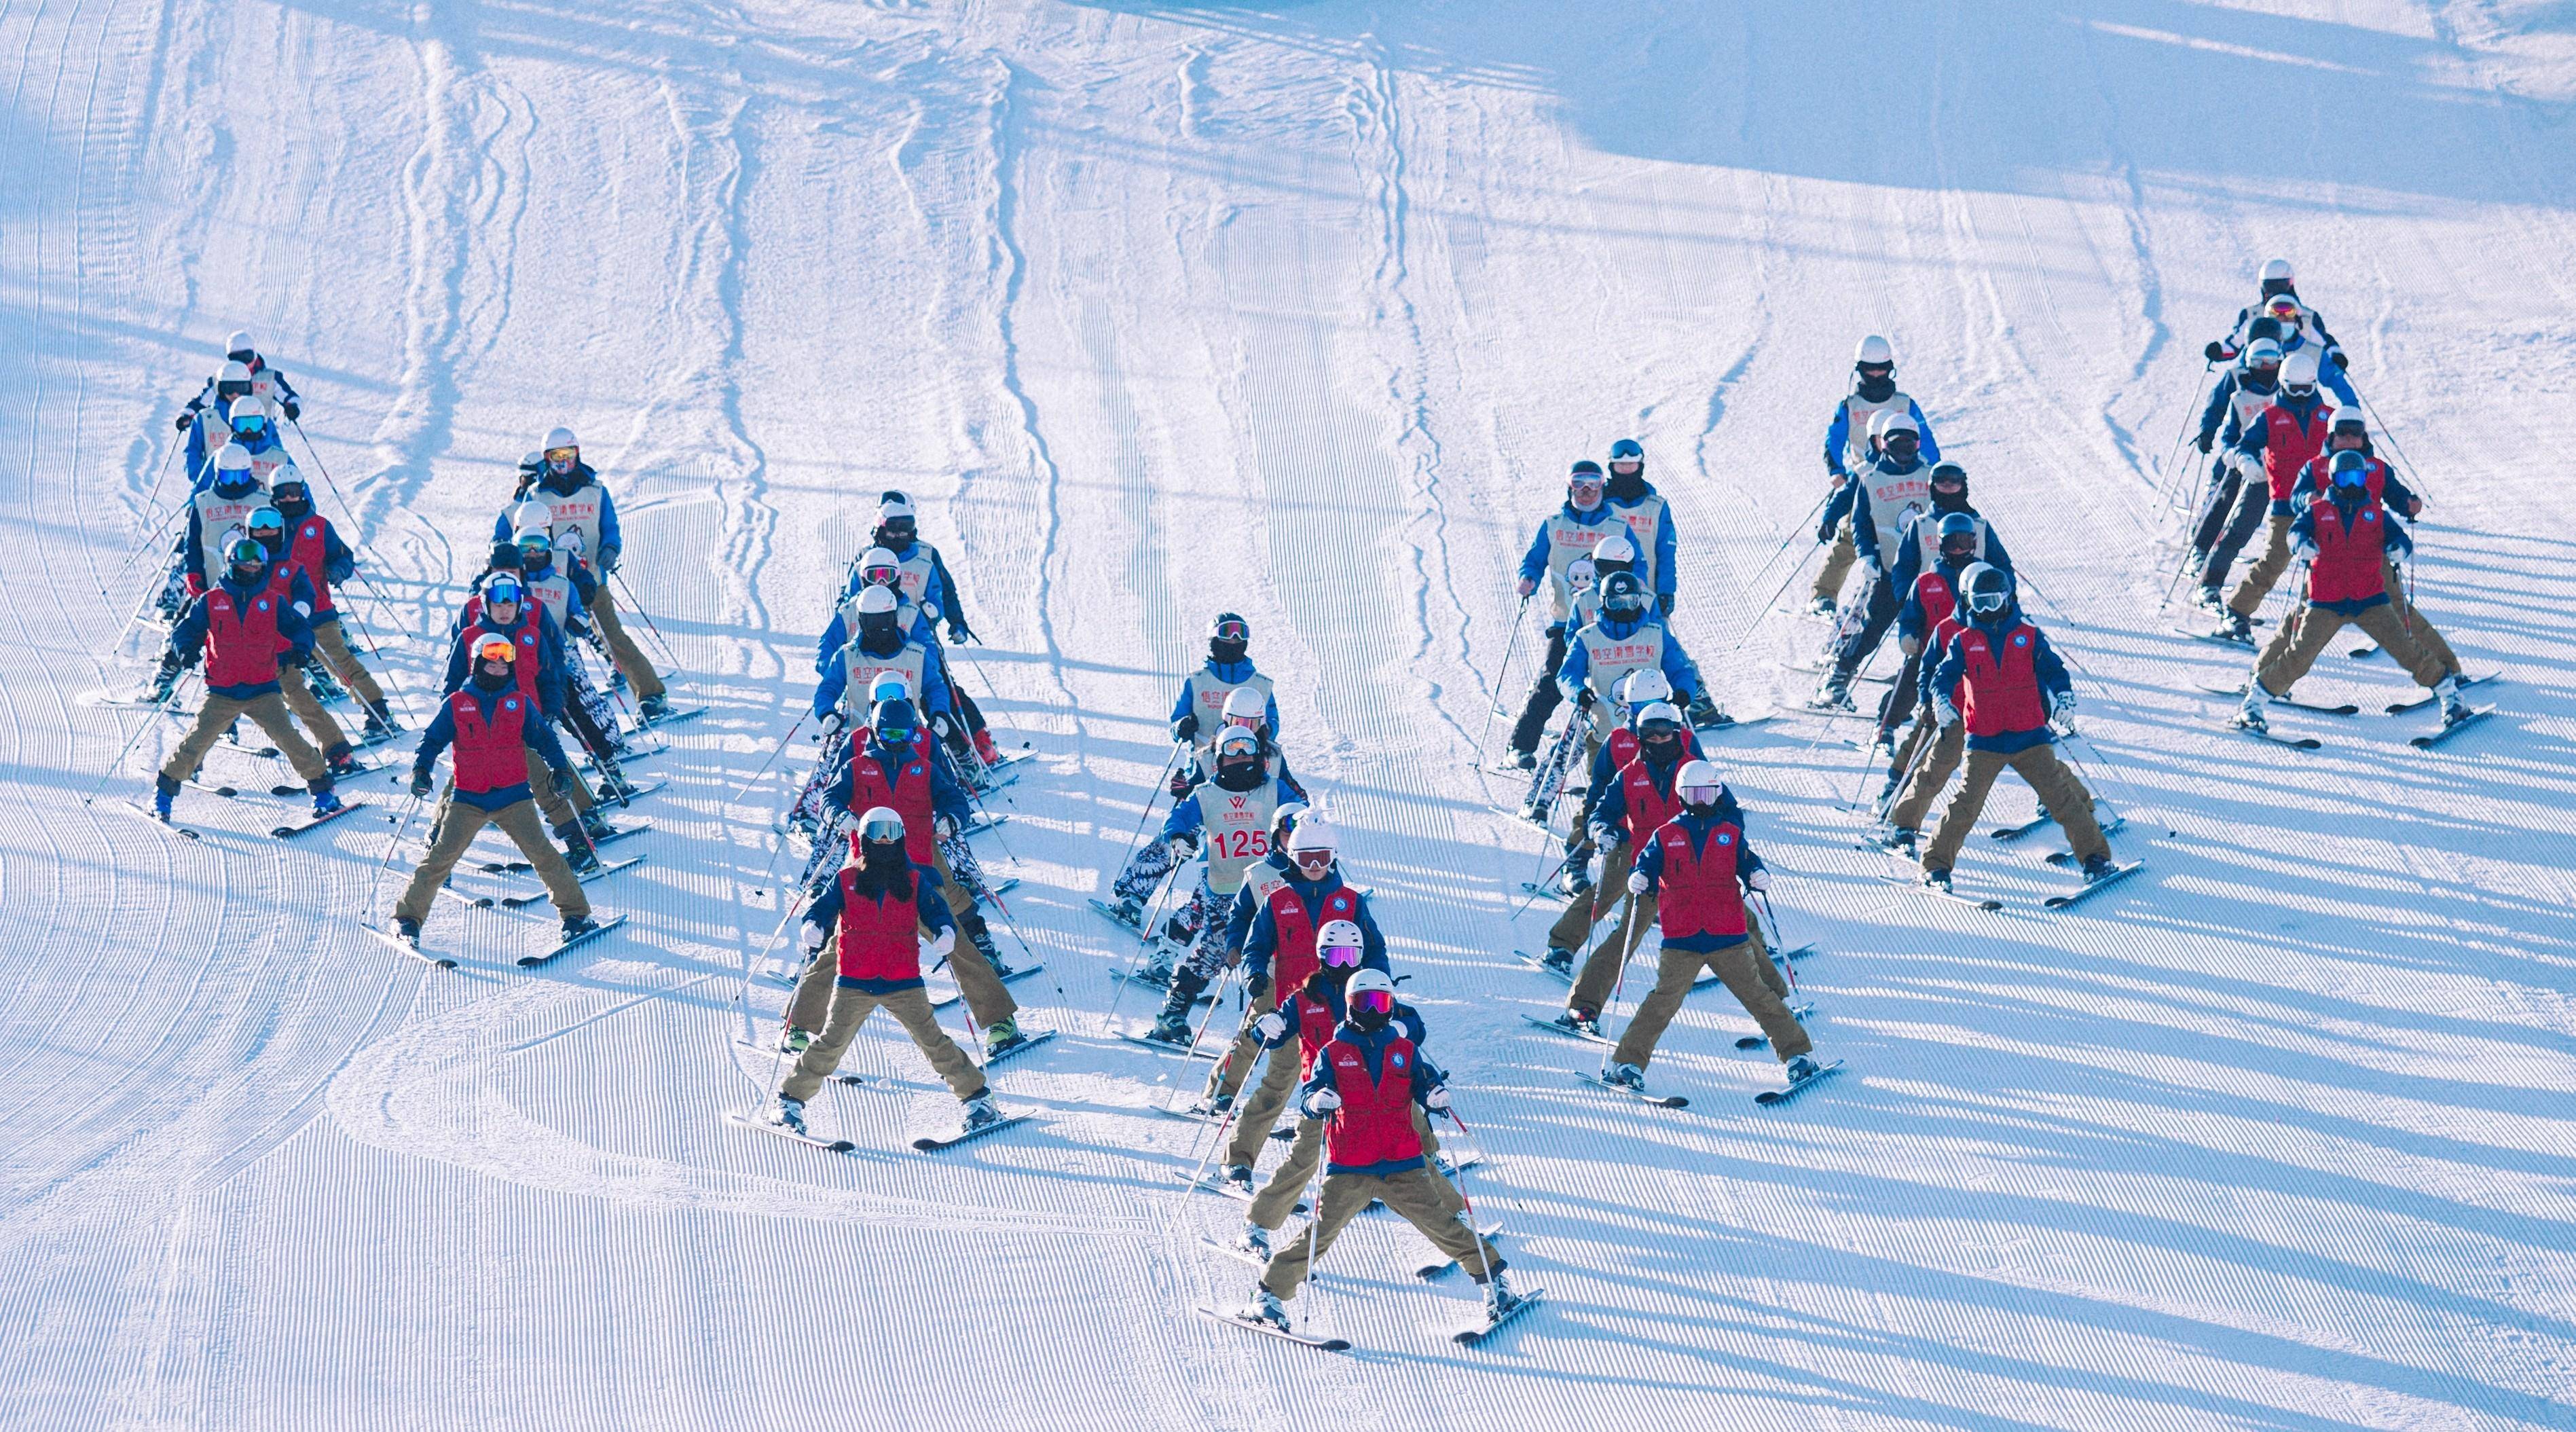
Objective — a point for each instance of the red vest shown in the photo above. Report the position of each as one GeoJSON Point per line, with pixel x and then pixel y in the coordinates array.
{"type": "Point", "coordinates": [305, 549]}
{"type": "Point", "coordinates": [1939, 600]}
{"type": "Point", "coordinates": [525, 638]}
{"type": "Point", "coordinates": [1315, 1026]}
{"type": "Point", "coordinates": [1999, 693]}
{"type": "Point", "coordinates": [1292, 959]}
{"type": "Point", "coordinates": [2318, 477]}
{"type": "Point", "coordinates": [906, 790]}
{"type": "Point", "coordinates": [1375, 1122]}
{"type": "Point", "coordinates": [242, 645]}
{"type": "Point", "coordinates": [2288, 445]}
{"type": "Point", "coordinates": [490, 755]}
{"type": "Point", "coordinates": [1698, 895]}
{"type": "Point", "coordinates": [880, 939]}
{"type": "Point", "coordinates": [2349, 564]}
{"type": "Point", "coordinates": [1942, 630]}
{"type": "Point", "coordinates": [1648, 808]}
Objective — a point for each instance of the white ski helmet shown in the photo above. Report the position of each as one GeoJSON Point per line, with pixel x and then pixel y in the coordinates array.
{"type": "Point", "coordinates": [2299, 370]}
{"type": "Point", "coordinates": [2264, 353]}
{"type": "Point", "coordinates": [1286, 814]}
{"type": "Point", "coordinates": [1897, 421]}
{"type": "Point", "coordinates": [1368, 981]}
{"type": "Point", "coordinates": [876, 558]}
{"type": "Point", "coordinates": [1874, 350]}
{"type": "Point", "coordinates": [2348, 418]}
{"type": "Point", "coordinates": [888, 685]}
{"type": "Point", "coordinates": [1237, 740]}
{"type": "Point", "coordinates": [559, 437]}
{"type": "Point", "coordinates": [1614, 548]}
{"type": "Point", "coordinates": [892, 508]}
{"type": "Point", "coordinates": [531, 516]}
{"type": "Point", "coordinates": [881, 824]}
{"type": "Point", "coordinates": [231, 457]}
{"type": "Point", "coordinates": [1701, 777]}
{"type": "Point", "coordinates": [1313, 833]}
{"type": "Point", "coordinates": [1644, 686]}
{"type": "Point", "coordinates": [238, 342]}
{"type": "Point", "coordinates": [232, 380]}
{"type": "Point", "coordinates": [2278, 271]}
{"type": "Point", "coordinates": [876, 601]}
{"type": "Point", "coordinates": [1658, 711]}
{"type": "Point", "coordinates": [1339, 935]}
{"type": "Point", "coordinates": [1246, 706]}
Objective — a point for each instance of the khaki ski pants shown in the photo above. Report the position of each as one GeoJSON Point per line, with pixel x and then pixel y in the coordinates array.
{"type": "Point", "coordinates": [2259, 578]}
{"type": "Point", "coordinates": [1930, 774]}
{"type": "Point", "coordinates": [1412, 1195]}
{"type": "Point", "coordinates": [2315, 629]}
{"type": "Point", "coordinates": [2417, 627]}
{"type": "Point", "coordinates": [1228, 1075]}
{"type": "Point", "coordinates": [268, 713]}
{"type": "Point", "coordinates": [1838, 565]}
{"type": "Point", "coordinates": [1749, 975]}
{"type": "Point", "coordinates": [332, 645]}
{"type": "Point", "coordinates": [987, 998]}
{"type": "Point", "coordinates": [1573, 929]}
{"type": "Point", "coordinates": [850, 1009]}
{"type": "Point", "coordinates": [1278, 1196]}
{"type": "Point", "coordinates": [456, 830]}
{"type": "Point", "coordinates": [630, 657]}
{"type": "Point", "coordinates": [309, 709]}
{"type": "Point", "coordinates": [2057, 786]}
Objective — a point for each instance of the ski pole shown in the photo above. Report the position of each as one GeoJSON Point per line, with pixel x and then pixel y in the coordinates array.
{"type": "Point", "coordinates": [750, 966]}
{"type": "Point", "coordinates": [1144, 938]}
{"type": "Point", "coordinates": [1010, 921]}
{"type": "Point", "coordinates": [318, 466]}
{"type": "Point", "coordinates": [1541, 884]}
{"type": "Point", "coordinates": [392, 844]}
{"type": "Point", "coordinates": [1314, 1227]}
{"type": "Point", "coordinates": [774, 752]}
{"type": "Point", "coordinates": [1913, 764]}
{"type": "Point", "coordinates": [1458, 1181]}
{"type": "Point", "coordinates": [1161, 784]}
{"type": "Point", "coordinates": [649, 625]}
{"type": "Point", "coordinates": [1511, 648]}
{"type": "Point", "coordinates": [2413, 473]}
{"type": "Point", "coordinates": [1636, 933]}
{"type": "Point", "coordinates": [159, 708]}
{"type": "Point", "coordinates": [1788, 966]}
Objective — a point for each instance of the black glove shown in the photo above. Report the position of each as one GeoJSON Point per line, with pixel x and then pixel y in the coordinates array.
{"type": "Point", "coordinates": [562, 776]}
{"type": "Point", "coordinates": [292, 412]}
{"type": "Point", "coordinates": [1825, 534]}
{"type": "Point", "coordinates": [185, 421]}
{"type": "Point", "coordinates": [2204, 441]}
{"type": "Point", "coordinates": [1584, 699]}
{"type": "Point", "coordinates": [419, 783]}
{"type": "Point", "coordinates": [1187, 728]}
{"type": "Point", "coordinates": [165, 682]}
{"type": "Point", "coordinates": [1256, 987]}
{"type": "Point", "coordinates": [1555, 630]}
{"type": "Point", "coordinates": [2342, 359]}
{"type": "Point", "coordinates": [1181, 783]}
{"type": "Point", "coordinates": [2217, 352]}
{"type": "Point", "coordinates": [1664, 605]}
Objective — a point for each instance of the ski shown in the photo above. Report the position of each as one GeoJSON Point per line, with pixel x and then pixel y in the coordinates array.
{"type": "Point", "coordinates": [1822, 668]}
{"type": "Point", "coordinates": [2237, 691]}
{"type": "Point", "coordinates": [988, 889]}
{"type": "Point", "coordinates": [667, 718]}
{"type": "Point", "coordinates": [1218, 1184]}
{"type": "Point", "coordinates": [1470, 1337]}
{"type": "Point", "coordinates": [1661, 1101]}
{"type": "Point", "coordinates": [2118, 874]}
{"type": "Point", "coordinates": [1782, 957]}
{"type": "Point", "coordinates": [934, 1143]}
{"type": "Point", "coordinates": [1542, 966]}
{"type": "Point", "coordinates": [1160, 1047]}
{"type": "Point", "coordinates": [2425, 697]}
{"type": "Point", "coordinates": [447, 891]}
{"type": "Point", "coordinates": [296, 828]}
{"type": "Point", "coordinates": [2296, 743]}
{"type": "Point", "coordinates": [1552, 1027]}
{"type": "Point", "coordinates": [1725, 722]}
{"type": "Point", "coordinates": [2449, 728]}
{"type": "Point", "coordinates": [829, 1146]}
{"type": "Point", "coordinates": [2364, 653]}
{"type": "Point", "coordinates": [409, 947]}
{"type": "Point", "coordinates": [1973, 902]}
{"type": "Point", "coordinates": [135, 702]}
{"type": "Point", "coordinates": [1026, 1044]}
{"type": "Point", "coordinates": [521, 867]}
{"type": "Point", "coordinates": [982, 822]}
{"type": "Point", "coordinates": [2042, 821]}
{"type": "Point", "coordinates": [602, 928]}
{"type": "Point", "coordinates": [626, 793]}
{"type": "Point", "coordinates": [1798, 1012]}
{"type": "Point", "coordinates": [185, 832]}
{"type": "Point", "coordinates": [942, 1001]}
{"type": "Point", "coordinates": [1244, 1256]}
{"type": "Point", "coordinates": [1769, 1097]}
{"type": "Point", "coordinates": [606, 869]}
{"type": "Point", "coordinates": [1283, 1334]}
{"type": "Point", "coordinates": [1432, 1271]}
{"type": "Point", "coordinates": [199, 783]}
{"type": "Point", "coordinates": [1110, 913]}
{"type": "Point", "coordinates": [1197, 1110]}
{"type": "Point", "coordinates": [2213, 638]}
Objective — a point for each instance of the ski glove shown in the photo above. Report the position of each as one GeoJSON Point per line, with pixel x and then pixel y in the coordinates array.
{"type": "Point", "coordinates": [2216, 352]}
{"type": "Point", "coordinates": [562, 777]}
{"type": "Point", "coordinates": [1825, 534]}
{"type": "Point", "coordinates": [2204, 441]}
{"type": "Point", "coordinates": [958, 633]}
{"type": "Point", "coordinates": [1437, 1101]}
{"type": "Point", "coordinates": [939, 727]}
{"type": "Point", "coordinates": [184, 420]}
{"type": "Point", "coordinates": [419, 783]}
{"type": "Point", "coordinates": [1271, 1028]}
{"type": "Point", "coordinates": [1664, 604]}
{"type": "Point", "coordinates": [1186, 728]}
{"type": "Point", "coordinates": [607, 559]}
{"type": "Point", "coordinates": [1182, 848]}
{"type": "Point", "coordinates": [830, 725]}
{"type": "Point", "coordinates": [940, 945]}
{"type": "Point", "coordinates": [1181, 783]}
{"type": "Point", "coordinates": [944, 826]}
{"type": "Point", "coordinates": [1637, 883]}
{"type": "Point", "coordinates": [1758, 880]}
{"type": "Point", "coordinates": [1947, 713]}
{"type": "Point", "coordinates": [292, 412]}
{"type": "Point", "coordinates": [2064, 703]}
{"type": "Point", "coordinates": [2341, 359]}
{"type": "Point", "coordinates": [1322, 1102]}
{"type": "Point", "coordinates": [1584, 699]}
{"type": "Point", "coordinates": [1528, 585]}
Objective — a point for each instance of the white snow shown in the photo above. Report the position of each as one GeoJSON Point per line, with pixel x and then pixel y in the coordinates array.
{"type": "Point", "coordinates": [1297, 309]}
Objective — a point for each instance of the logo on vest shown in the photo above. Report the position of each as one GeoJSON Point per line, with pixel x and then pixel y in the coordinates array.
{"type": "Point", "coordinates": [1395, 1059]}
{"type": "Point", "coordinates": [260, 606]}
{"type": "Point", "coordinates": [2021, 638]}
{"type": "Point", "coordinates": [1726, 837]}
{"type": "Point", "coordinates": [510, 703]}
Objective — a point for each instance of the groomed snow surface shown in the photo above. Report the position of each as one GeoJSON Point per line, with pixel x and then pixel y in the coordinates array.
{"type": "Point", "coordinates": [1299, 310]}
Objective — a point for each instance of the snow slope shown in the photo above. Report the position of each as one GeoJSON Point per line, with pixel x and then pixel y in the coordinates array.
{"type": "Point", "coordinates": [1297, 309]}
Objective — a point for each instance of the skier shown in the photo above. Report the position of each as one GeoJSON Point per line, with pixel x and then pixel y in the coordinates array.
{"type": "Point", "coordinates": [2290, 430]}
{"type": "Point", "coordinates": [875, 567]}
{"type": "Point", "coordinates": [2351, 435]}
{"type": "Point", "coordinates": [1564, 537]}
{"type": "Point", "coordinates": [268, 384]}
{"type": "Point", "coordinates": [1648, 517]}
{"type": "Point", "coordinates": [1999, 677]}
{"type": "Point", "coordinates": [250, 428]}
{"type": "Point", "coordinates": [1231, 814]}
{"type": "Point", "coordinates": [494, 726]}
{"type": "Point", "coordinates": [1885, 496]}
{"type": "Point", "coordinates": [241, 626]}
{"type": "Point", "coordinates": [2347, 538]}
{"type": "Point", "coordinates": [1931, 750]}
{"type": "Point", "coordinates": [1261, 879]}
{"type": "Point", "coordinates": [1639, 690]}
{"type": "Point", "coordinates": [503, 610]}
{"type": "Point", "coordinates": [2236, 400]}
{"type": "Point", "coordinates": [1625, 637]}
{"type": "Point", "coordinates": [1937, 546]}
{"type": "Point", "coordinates": [878, 647]}
{"type": "Point", "coordinates": [1851, 445]}
{"type": "Point", "coordinates": [865, 935]}
{"type": "Point", "coordinates": [582, 520]}
{"type": "Point", "coordinates": [316, 547]}
{"type": "Point", "coordinates": [1366, 1083]}
{"type": "Point", "coordinates": [267, 526]}
{"type": "Point", "coordinates": [1632, 805]}
{"type": "Point", "coordinates": [1691, 875]}
{"type": "Point", "coordinates": [2280, 302]}
{"type": "Point", "coordinates": [890, 765]}
{"type": "Point", "coordinates": [215, 514]}
{"type": "Point", "coordinates": [1200, 709]}
{"type": "Point", "coordinates": [1309, 1016]}
{"type": "Point", "coordinates": [1279, 954]}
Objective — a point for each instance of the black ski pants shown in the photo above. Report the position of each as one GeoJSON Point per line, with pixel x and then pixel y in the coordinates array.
{"type": "Point", "coordinates": [1543, 697]}
{"type": "Point", "coordinates": [1878, 613]}
{"type": "Point", "coordinates": [2216, 505]}
{"type": "Point", "coordinates": [2253, 504]}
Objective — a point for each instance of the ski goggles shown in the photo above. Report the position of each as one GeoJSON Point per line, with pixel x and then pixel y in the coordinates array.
{"type": "Point", "coordinates": [1988, 602]}
{"type": "Point", "coordinates": [234, 388]}
{"type": "Point", "coordinates": [497, 648]}
{"type": "Point", "coordinates": [884, 830]}
{"type": "Point", "coordinates": [1587, 485]}
{"type": "Point", "coordinates": [1949, 474]}
{"type": "Point", "coordinates": [1700, 795]}
{"type": "Point", "coordinates": [1237, 630]}
{"type": "Point", "coordinates": [563, 457]}
{"type": "Point", "coordinates": [535, 542]}
{"type": "Point", "coordinates": [246, 553]}
{"type": "Point", "coordinates": [2283, 308]}
{"type": "Point", "coordinates": [503, 591]}
{"type": "Point", "coordinates": [1875, 370]}
{"type": "Point", "coordinates": [880, 576]}
{"type": "Point", "coordinates": [1341, 957]}
{"type": "Point", "coordinates": [1624, 466]}
{"type": "Point", "coordinates": [1313, 862]}
{"type": "Point", "coordinates": [1374, 1001]}
{"type": "Point", "coordinates": [250, 423]}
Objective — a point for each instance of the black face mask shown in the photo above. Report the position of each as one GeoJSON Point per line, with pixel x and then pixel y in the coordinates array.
{"type": "Point", "coordinates": [1327, 980]}
{"type": "Point", "coordinates": [1958, 554]}
{"type": "Point", "coordinates": [1904, 453]}
{"type": "Point", "coordinates": [1662, 750]}
{"type": "Point", "coordinates": [1701, 808]}
{"type": "Point", "coordinates": [1625, 489]}
{"type": "Point", "coordinates": [484, 679]}
{"type": "Point", "coordinates": [1226, 653]}
{"type": "Point", "coordinates": [1369, 1020]}
{"type": "Point", "coordinates": [1238, 775]}
{"type": "Point", "coordinates": [881, 864]}
{"type": "Point", "coordinates": [246, 576]}
{"type": "Point", "coordinates": [877, 633]}
{"type": "Point", "coordinates": [2274, 287]}
{"type": "Point", "coordinates": [894, 536]}
{"type": "Point", "coordinates": [1601, 569]}
{"type": "Point", "coordinates": [275, 542]}
{"type": "Point", "coordinates": [1955, 501]}
{"type": "Point", "coordinates": [538, 562]}
{"type": "Point", "coordinates": [1876, 389]}
{"type": "Point", "coordinates": [293, 509]}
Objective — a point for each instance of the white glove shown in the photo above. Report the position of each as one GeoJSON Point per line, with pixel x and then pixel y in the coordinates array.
{"type": "Point", "coordinates": [1759, 880]}
{"type": "Point", "coordinates": [1182, 848]}
{"type": "Point", "coordinates": [1947, 713]}
{"type": "Point", "coordinates": [939, 727]}
{"type": "Point", "coordinates": [1271, 1028]}
{"type": "Point", "coordinates": [944, 826]}
{"type": "Point", "coordinates": [1637, 884]}
{"type": "Point", "coordinates": [1437, 1101]}
{"type": "Point", "coordinates": [1528, 586]}
{"type": "Point", "coordinates": [830, 725]}
{"type": "Point", "coordinates": [2064, 703]}
{"type": "Point", "coordinates": [938, 946]}
{"type": "Point", "coordinates": [1322, 1102]}
{"type": "Point", "coordinates": [815, 935]}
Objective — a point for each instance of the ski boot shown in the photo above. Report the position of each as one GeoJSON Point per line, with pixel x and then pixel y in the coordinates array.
{"type": "Point", "coordinates": [1265, 1307]}
{"type": "Point", "coordinates": [1240, 1175]}
{"type": "Point", "coordinates": [1834, 695]}
{"type": "Point", "coordinates": [2098, 867]}
{"type": "Point", "coordinates": [1001, 1037]}
{"type": "Point", "coordinates": [2249, 715]}
{"type": "Point", "coordinates": [325, 687]}
{"type": "Point", "coordinates": [577, 851]}
{"type": "Point", "coordinates": [1900, 839]}
{"type": "Point", "coordinates": [792, 1040]}
{"type": "Point", "coordinates": [326, 800]}
{"type": "Point", "coordinates": [654, 707]}
{"type": "Point", "coordinates": [790, 1114]}
{"type": "Point", "coordinates": [1802, 1069]}
{"type": "Point", "coordinates": [1254, 1239]}
{"type": "Point", "coordinates": [981, 937]}
{"type": "Point", "coordinates": [2455, 708]}
{"type": "Point", "coordinates": [164, 791]}
{"type": "Point", "coordinates": [1882, 745]}
{"type": "Point", "coordinates": [1559, 959]}
{"type": "Point", "coordinates": [1172, 1025]}
{"type": "Point", "coordinates": [1626, 1076]}
{"type": "Point", "coordinates": [1158, 969]}
{"type": "Point", "coordinates": [1578, 877]}
{"type": "Point", "coordinates": [2235, 626]}
{"type": "Point", "coordinates": [1821, 607]}
{"type": "Point", "coordinates": [405, 930]}
{"type": "Point", "coordinates": [595, 825]}
{"type": "Point", "coordinates": [1935, 880]}
{"type": "Point", "coordinates": [980, 1113]}
{"type": "Point", "coordinates": [1525, 760]}
{"type": "Point", "coordinates": [1705, 713]}
{"type": "Point", "coordinates": [985, 750]}
{"type": "Point", "coordinates": [1499, 1297]}
{"type": "Point", "coordinates": [576, 926]}
{"type": "Point", "coordinates": [1170, 1028]}
{"type": "Point", "coordinates": [379, 727]}
{"type": "Point", "coordinates": [342, 762]}
{"type": "Point", "coordinates": [1575, 1021]}
{"type": "Point", "coordinates": [1126, 911]}
{"type": "Point", "coordinates": [2211, 600]}
{"type": "Point", "coordinates": [165, 681]}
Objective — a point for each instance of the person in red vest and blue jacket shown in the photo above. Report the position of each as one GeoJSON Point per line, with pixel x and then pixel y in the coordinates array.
{"type": "Point", "coordinates": [1368, 1080]}
{"type": "Point", "coordinates": [241, 625]}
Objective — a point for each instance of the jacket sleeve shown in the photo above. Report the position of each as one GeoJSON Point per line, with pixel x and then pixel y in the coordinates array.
{"type": "Point", "coordinates": [2332, 376]}
{"type": "Point", "coordinates": [952, 604]}
{"type": "Point", "coordinates": [455, 666]}
{"type": "Point", "coordinates": [1945, 677]}
{"type": "Point", "coordinates": [1837, 438]}
{"type": "Point", "coordinates": [552, 684]}
{"type": "Point", "coordinates": [1839, 506]}
{"type": "Point", "coordinates": [1570, 673]}
{"type": "Point", "coordinates": [933, 902]}
{"type": "Point", "coordinates": [1864, 527]}
{"type": "Point", "coordinates": [298, 632]}
{"type": "Point", "coordinates": [934, 681]}
{"type": "Point", "coordinates": [934, 595]}
{"type": "Point", "coordinates": [1667, 553]}
{"type": "Point", "coordinates": [1909, 614]}
{"type": "Point", "coordinates": [194, 546]}
{"type": "Point", "coordinates": [1595, 789]}
{"type": "Point", "coordinates": [2215, 411]}
{"type": "Point", "coordinates": [1534, 561]}
{"type": "Point", "coordinates": [609, 540]}
{"type": "Point", "coordinates": [1609, 822]}
{"type": "Point", "coordinates": [338, 562]}
{"type": "Point", "coordinates": [825, 912]}
{"type": "Point", "coordinates": [1258, 942]}
{"type": "Point", "coordinates": [835, 636]}
{"type": "Point", "coordinates": [1372, 941]}
{"type": "Point", "coordinates": [946, 796]}
{"type": "Point", "coordinates": [2303, 528]}
{"type": "Point", "coordinates": [435, 738]}
{"type": "Point", "coordinates": [1930, 445]}
{"type": "Point", "coordinates": [2048, 667]}
{"type": "Point", "coordinates": [1290, 785]}
{"type": "Point", "coordinates": [188, 634]}
{"type": "Point", "coordinates": [541, 738]}
{"type": "Point", "coordinates": [1909, 553]}
{"type": "Point", "coordinates": [1238, 919]}
{"type": "Point", "coordinates": [1679, 669]}
{"type": "Point", "coordinates": [1747, 860]}
{"type": "Point", "coordinates": [836, 679]}
{"type": "Point", "coordinates": [1186, 819]}
{"type": "Point", "coordinates": [1181, 703]}
{"type": "Point", "coordinates": [1650, 863]}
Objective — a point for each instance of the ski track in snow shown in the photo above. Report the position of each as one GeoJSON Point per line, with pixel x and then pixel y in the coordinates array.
{"type": "Point", "coordinates": [1299, 312]}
